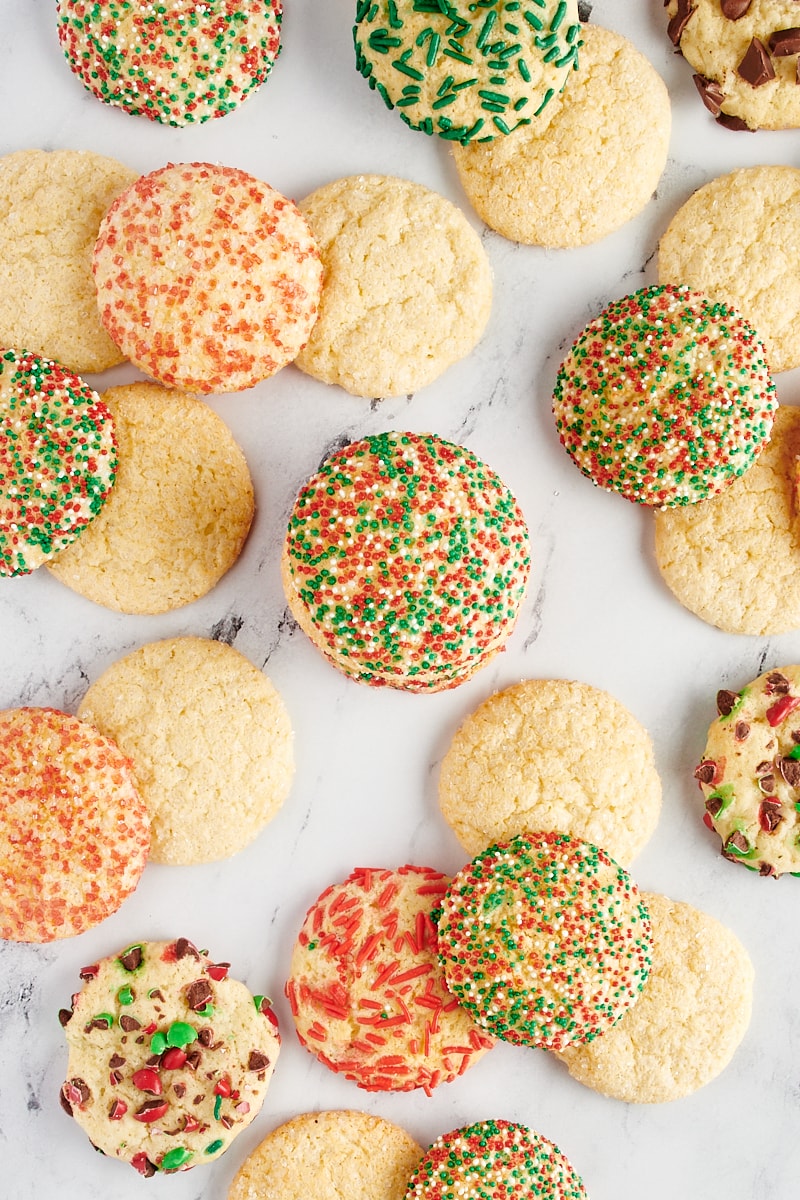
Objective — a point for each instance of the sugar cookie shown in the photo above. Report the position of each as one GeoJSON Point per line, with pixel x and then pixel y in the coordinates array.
{"type": "Point", "coordinates": [556, 755]}
{"type": "Point", "coordinates": [589, 164]}
{"type": "Point", "coordinates": [210, 742]}
{"type": "Point", "coordinates": [179, 513]}
{"type": "Point", "coordinates": [408, 286]}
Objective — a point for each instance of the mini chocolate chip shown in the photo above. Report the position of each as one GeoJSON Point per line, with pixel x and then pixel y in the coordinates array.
{"type": "Point", "coordinates": [681, 19]}
{"type": "Point", "coordinates": [742, 731]}
{"type": "Point", "coordinates": [129, 1023]}
{"type": "Point", "coordinates": [756, 67]}
{"type": "Point", "coordinates": [154, 1060]}
{"type": "Point", "coordinates": [764, 767]}
{"type": "Point", "coordinates": [179, 1089]}
{"type": "Point", "coordinates": [199, 994]}
{"type": "Point", "coordinates": [734, 9]}
{"type": "Point", "coordinates": [726, 702]}
{"type": "Point", "coordinates": [257, 1061]}
{"type": "Point", "coordinates": [784, 42]}
{"type": "Point", "coordinates": [767, 784]}
{"type": "Point", "coordinates": [711, 93]}
{"type": "Point", "coordinates": [193, 1060]}
{"type": "Point", "coordinates": [706, 771]}
{"type": "Point", "coordinates": [132, 958]}
{"type": "Point", "coordinates": [183, 947]}
{"type": "Point", "coordinates": [769, 815]}
{"type": "Point", "coordinates": [776, 685]}
{"type": "Point", "coordinates": [65, 1015]}
{"type": "Point", "coordinates": [736, 123]}
{"type": "Point", "coordinates": [790, 770]}
{"type": "Point", "coordinates": [205, 1036]}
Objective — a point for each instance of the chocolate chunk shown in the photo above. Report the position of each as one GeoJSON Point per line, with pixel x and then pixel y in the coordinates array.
{"type": "Point", "coordinates": [199, 1098]}
{"type": "Point", "coordinates": [183, 947]}
{"type": "Point", "coordinates": [193, 1060]}
{"type": "Point", "coordinates": [784, 42]}
{"type": "Point", "coordinates": [769, 815]}
{"type": "Point", "coordinates": [205, 1036]}
{"type": "Point", "coordinates": [766, 868]}
{"type": "Point", "coordinates": [764, 767]}
{"type": "Point", "coordinates": [64, 1102]}
{"type": "Point", "coordinates": [742, 731]}
{"type": "Point", "coordinates": [790, 770]}
{"type": "Point", "coordinates": [678, 23]}
{"type": "Point", "coordinates": [737, 841]}
{"type": "Point", "coordinates": [756, 67]}
{"type": "Point", "coordinates": [131, 960]}
{"type": "Point", "coordinates": [129, 1023]}
{"type": "Point", "coordinates": [734, 9]}
{"type": "Point", "coordinates": [706, 771]}
{"type": "Point", "coordinates": [199, 994]}
{"type": "Point", "coordinates": [729, 122]}
{"type": "Point", "coordinates": [257, 1061]}
{"type": "Point", "coordinates": [65, 1015]}
{"type": "Point", "coordinates": [154, 1060]}
{"type": "Point", "coordinates": [726, 702]}
{"type": "Point", "coordinates": [156, 994]}
{"type": "Point", "coordinates": [776, 684]}
{"type": "Point", "coordinates": [767, 784]}
{"type": "Point", "coordinates": [115, 1061]}
{"type": "Point", "coordinates": [711, 93]}
{"type": "Point", "coordinates": [179, 1089]}
{"type": "Point", "coordinates": [226, 1122]}
{"type": "Point", "coordinates": [714, 804]}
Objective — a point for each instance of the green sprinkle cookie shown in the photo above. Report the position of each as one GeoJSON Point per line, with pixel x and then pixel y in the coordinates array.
{"type": "Point", "coordinates": [58, 456]}
{"type": "Point", "coordinates": [544, 939]}
{"type": "Point", "coordinates": [665, 397]}
{"type": "Point", "coordinates": [406, 561]}
{"type": "Point", "coordinates": [178, 62]}
{"type": "Point", "coordinates": [467, 71]}
{"type": "Point", "coordinates": [494, 1160]}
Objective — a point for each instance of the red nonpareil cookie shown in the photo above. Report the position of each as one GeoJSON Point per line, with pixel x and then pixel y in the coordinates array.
{"type": "Point", "coordinates": [207, 278]}
{"type": "Point", "coordinates": [665, 397]}
{"type": "Point", "coordinates": [74, 832]}
{"type": "Point", "coordinates": [366, 989]}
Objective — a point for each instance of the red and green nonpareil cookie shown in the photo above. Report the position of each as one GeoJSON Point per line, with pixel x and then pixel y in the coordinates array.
{"type": "Point", "coordinates": [406, 561]}
{"type": "Point", "coordinates": [545, 940]}
{"type": "Point", "coordinates": [494, 1160]}
{"type": "Point", "coordinates": [58, 458]}
{"type": "Point", "coordinates": [665, 397]}
{"type": "Point", "coordinates": [178, 62]}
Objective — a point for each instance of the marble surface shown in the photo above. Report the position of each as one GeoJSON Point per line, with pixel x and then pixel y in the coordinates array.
{"type": "Point", "coordinates": [366, 786]}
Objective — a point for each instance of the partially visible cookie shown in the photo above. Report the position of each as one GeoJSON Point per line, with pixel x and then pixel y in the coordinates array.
{"type": "Point", "coordinates": [555, 755]}
{"type": "Point", "coordinates": [74, 830]}
{"type": "Point", "coordinates": [51, 206]}
{"type": "Point", "coordinates": [329, 1156]}
{"type": "Point", "coordinates": [179, 513]}
{"type": "Point", "coordinates": [744, 53]}
{"type": "Point", "coordinates": [665, 397]}
{"type": "Point", "coordinates": [58, 457]}
{"type": "Point", "coordinates": [467, 71]}
{"type": "Point", "coordinates": [169, 1058]}
{"type": "Point", "coordinates": [495, 1160]}
{"type": "Point", "coordinates": [692, 1014]}
{"type": "Point", "coordinates": [591, 161]}
{"type": "Point", "coordinates": [210, 742]}
{"type": "Point", "coordinates": [408, 286]}
{"type": "Point", "coordinates": [545, 940]}
{"type": "Point", "coordinates": [716, 557]}
{"type": "Point", "coordinates": [177, 62]}
{"type": "Point", "coordinates": [366, 989]}
{"type": "Point", "coordinates": [750, 773]}
{"type": "Point", "coordinates": [207, 278]}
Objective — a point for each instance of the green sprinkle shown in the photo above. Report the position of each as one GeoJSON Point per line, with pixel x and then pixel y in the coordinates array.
{"type": "Point", "coordinates": [213, 1147]}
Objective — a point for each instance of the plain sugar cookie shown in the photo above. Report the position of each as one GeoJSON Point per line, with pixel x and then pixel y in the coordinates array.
{"type": "Point", "coordinates": [715, 557]}
{"type": "Point", "coordinates": [339, 1155]}
{"type": "Point", "coordinates": [556, 755]}
{"type": "Point", "coordinates": [407, 285]}
{"type": "Point", "coordinates": [589, 164]}
{"type": "Point", "coordinates": [210, 742]}
{"type": "Point", "coordinates": [179, 512]}
{"type": "Point", "coordinates": [51, 206]}
{"type": "Point", "coordinates": [736, 239]}
{"type": "Point", "coordinates": [692, 1014]}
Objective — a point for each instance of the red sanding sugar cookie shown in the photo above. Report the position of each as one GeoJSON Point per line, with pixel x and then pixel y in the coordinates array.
{"type": "Point", "coordinates": [74, 833]}
{"type": "Point", "coordinates": [207, 278]}
{"type": "Point", "coordinates": [366, 989]}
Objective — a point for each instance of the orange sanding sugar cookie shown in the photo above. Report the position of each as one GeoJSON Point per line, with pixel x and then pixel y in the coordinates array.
{"type": "Point", "coordinates": [207, 278]}
{"type": "Point", "coordinates": [366, 989]}
{"type": "Point", "coordinates": [74, 833]}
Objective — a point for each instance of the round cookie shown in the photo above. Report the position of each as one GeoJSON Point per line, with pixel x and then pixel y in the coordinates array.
{"type": "Point", "coordinates": [467, 71]}
{"type": "Point", "coordinates": [210, 742]}
{"type": "Point", "coordinates": [327, 1156]}
{"type": "Point", "coordinates": [408, 286]}
{"type": "Point", "coordinates": [169, 1058]}
{"type": "Point", "coordinates": [177, 62]}
{"type": "Point", "coordinates": [365, 986]}
{"type": "Point", "coordinates": [74, 831]}
{"type": "Point", "coordinates": [495, 1160]}
{"type": "Point", "coordinates": [207, 278]}
{"type": "Point", "coordinates": [745, 58]}
{"type": "Point", "coordinates": [58, 455]}
{"type": "Point", "coordinates": [665, 397]}
{"type": "Point", "coordinates": [750, 774]}
{"type": "Point", "coordinates": [545, 940]}
{"type": "Point", "coordinates": [179, 513]}
{"type": "Point", "coordinates": [693, 1013]}
{"type": "Point", "coordinates": [716, 557]}
{"type": "Point", "coordinates": [735, 239]}
{"type": "Point", "coordinates": [556, 755]}
{"type": "Point", "coordinates": [589, 164]}
{"type": "Point", "coordinates": [406, 561]}
{"type": "Point", "coordinates": [51, 206]}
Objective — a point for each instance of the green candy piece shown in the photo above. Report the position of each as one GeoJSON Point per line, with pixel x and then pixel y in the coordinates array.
{"type": "Point", "coordinates": [174, 1159]}
{"type": "Point", "coordinates": [181, 1034]}
{"type": "Point", "coordinates": [794, 752]}
{"type": "Point", "coordinates": [158, 1043]}
{"type": "Point", "coordinates": [206, 1011]}
{"type": "Point", "coordinates": [125, 995]}
{"type": "Point", "coordinates": [105, 1018]}
{"type": "Point", "coordinates": [213, 1147]}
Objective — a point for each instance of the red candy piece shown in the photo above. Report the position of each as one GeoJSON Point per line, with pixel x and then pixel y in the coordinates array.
{"type": "Point", "coordinates": [222, 1087]}
{"type": "Point", "coordinates": [781, 709]}
{"type": "Point", "coordinates": [117, 1110]}
{"type": "Point", "coordinates": [173, 1059]}
{"type": "Point", "coordinates": [147, 1080]}
{"type": "Point", "coordinates": [218, 971]}
{"type": "Point", "coordinates": [153, 1110]}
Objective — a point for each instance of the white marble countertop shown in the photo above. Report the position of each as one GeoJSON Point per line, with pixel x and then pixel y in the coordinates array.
{"type": "Point", "coordinates": [365, 792]}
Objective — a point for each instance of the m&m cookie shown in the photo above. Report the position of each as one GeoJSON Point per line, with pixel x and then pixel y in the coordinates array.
{"type": "Point", "coordinates": [177, 62]}
{"type": "Point", "coordinates": [169, 1058]}
{"type": "Point", "coordinates": [207, 278]}
{"type": "Point", "coordinates": [545, 940]}
{"type": "Point", "coordinates": [74, 832]}
{"type": "Point", "coordinates": [406, 561]}
{"type": "Point", "coordinates": [58, 456]}
{"type": "Point", "coordinates": [665, 397]}
{"type": "Point", "coordinates": [367, 990]}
